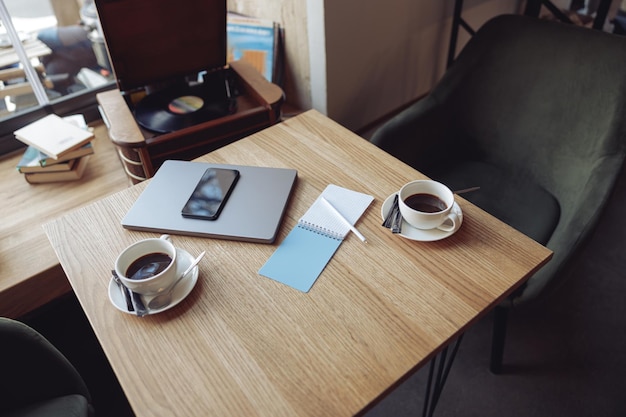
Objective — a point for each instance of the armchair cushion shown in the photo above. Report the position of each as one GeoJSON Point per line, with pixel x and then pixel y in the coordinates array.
{"type": "Point", "coordinates": [74, 405]}
{"type": "Point", "coordinates": [515, 199]}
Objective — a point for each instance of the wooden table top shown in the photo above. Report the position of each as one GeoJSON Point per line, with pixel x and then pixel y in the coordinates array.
{"type": "Point", "coordinates": [244, 345]}
{"type": "Point", "coordinates": [30, 273]}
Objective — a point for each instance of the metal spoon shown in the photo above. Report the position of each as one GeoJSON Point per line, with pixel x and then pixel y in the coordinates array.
{"type": "Point", "coordinates": [466, 190]}
{"type": "Point", "coordinates": [165, 298]}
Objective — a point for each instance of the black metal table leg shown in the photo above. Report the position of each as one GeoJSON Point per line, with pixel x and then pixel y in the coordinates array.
{"type": "Point", "coordinates": [438, 372]}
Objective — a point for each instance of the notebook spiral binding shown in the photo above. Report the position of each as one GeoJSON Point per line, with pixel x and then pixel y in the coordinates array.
{"type": "Point", "coordinates": [319, 230]}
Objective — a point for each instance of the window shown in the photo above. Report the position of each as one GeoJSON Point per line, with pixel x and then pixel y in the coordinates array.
{"type": "Point", "coordinates": [52, 60]}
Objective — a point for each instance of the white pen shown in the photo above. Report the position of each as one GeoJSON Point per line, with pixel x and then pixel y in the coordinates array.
{"type": "Point", "coordinates": [343, 219]}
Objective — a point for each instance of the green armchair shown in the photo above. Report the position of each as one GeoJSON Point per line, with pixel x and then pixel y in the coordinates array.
{"type": "Point", "coordinates": [36, 379]}
{"type": "Point", "coordinates": [534, 113]}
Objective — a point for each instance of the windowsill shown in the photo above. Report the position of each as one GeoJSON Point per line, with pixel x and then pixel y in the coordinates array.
{"type": "Point", "coordinates": [31, 275]}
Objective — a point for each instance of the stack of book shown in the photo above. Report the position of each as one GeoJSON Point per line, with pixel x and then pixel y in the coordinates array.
{"type": "Point", "coordinates": [58, 149]}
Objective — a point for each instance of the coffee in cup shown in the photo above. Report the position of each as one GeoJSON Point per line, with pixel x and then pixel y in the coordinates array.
{"type": "Point", "coordinates": [148, 266]}
{"type": "Point", "coordinates": [427, 204]}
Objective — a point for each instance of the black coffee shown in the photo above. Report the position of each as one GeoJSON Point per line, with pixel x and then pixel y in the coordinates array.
{"type": "Point", "coordinates": [148, 265]}
{"type": "Point", "coordinates": [426, 203]}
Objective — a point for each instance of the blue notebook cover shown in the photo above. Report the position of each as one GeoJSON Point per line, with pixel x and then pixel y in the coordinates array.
{"type": "Point", "coordinates": [307, 249]}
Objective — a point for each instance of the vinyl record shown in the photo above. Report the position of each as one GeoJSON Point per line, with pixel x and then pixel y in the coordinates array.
{"type": "Point", "coordinates": [180, 107]}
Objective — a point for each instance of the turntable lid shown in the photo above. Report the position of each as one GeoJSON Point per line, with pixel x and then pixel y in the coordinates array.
{"type": "Point", "coordinates": [153, 41]}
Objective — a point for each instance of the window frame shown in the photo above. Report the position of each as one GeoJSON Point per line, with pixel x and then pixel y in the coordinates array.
{"type": "Point", "coordinates": [81, 102]}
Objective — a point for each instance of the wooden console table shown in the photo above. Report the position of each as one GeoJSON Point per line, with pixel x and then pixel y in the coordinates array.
{"type": "Point", "coordinates": [30, 274]}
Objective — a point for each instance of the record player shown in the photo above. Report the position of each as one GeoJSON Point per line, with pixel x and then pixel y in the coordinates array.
{"type": "Point", "coordinates": [176, 97]}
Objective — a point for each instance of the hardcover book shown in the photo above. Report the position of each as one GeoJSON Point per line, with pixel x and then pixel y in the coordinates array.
{"type": "Point", "coordinates": [34, 160]}
{"type": "Point", "coordinates": [74, 174]}
{"type": "Point", "coordinates": [30, 163]}
{"type": "Point", "coordinates": [84, 150]}
{"type": "Point", "coordinates": [53, 136]}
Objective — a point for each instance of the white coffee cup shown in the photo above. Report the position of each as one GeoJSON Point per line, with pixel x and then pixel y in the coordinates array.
{"type": "Point", "coordinates": [148, 250]}
{"type": "Point", "coordinates": [427, 204]}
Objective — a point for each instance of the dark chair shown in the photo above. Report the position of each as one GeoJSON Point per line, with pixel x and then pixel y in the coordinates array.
{"type": "Point", "coordinates": [36, 380]}
{"type": "Point", "coordinates": [534, 113]}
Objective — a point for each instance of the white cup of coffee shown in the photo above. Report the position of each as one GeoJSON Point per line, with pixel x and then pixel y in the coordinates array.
{"type": "Point", "coordinates": [148, 266]}
{"type": "Point", "coordinates": [427, 204]}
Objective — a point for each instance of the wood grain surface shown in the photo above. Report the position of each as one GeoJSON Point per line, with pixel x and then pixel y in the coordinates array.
{"type": "Point", "coordinates": [244, 345]}
{"type": "Point", "coordinates": [30, 274]}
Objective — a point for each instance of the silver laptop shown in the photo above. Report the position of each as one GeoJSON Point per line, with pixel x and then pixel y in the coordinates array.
{"type": "Point", "coordinates": [252, 213]}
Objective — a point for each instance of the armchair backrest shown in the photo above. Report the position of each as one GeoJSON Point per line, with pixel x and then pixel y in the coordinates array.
{"type": "Point", "coordinates": [543, 101]}
{"type": "Point", "coordinates": [33, 370]}
{"type": "Point", "coordinates": [547, 100]}
{"type": "Point", "coordinates": [544, 98]}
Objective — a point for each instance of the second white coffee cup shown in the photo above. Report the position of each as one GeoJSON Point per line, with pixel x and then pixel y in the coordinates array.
{"type": "Point", "coordinates": [427, 204]}
{"type": "Point", "coordinates": [156, 256]}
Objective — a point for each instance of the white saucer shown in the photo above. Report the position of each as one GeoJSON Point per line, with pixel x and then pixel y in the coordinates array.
{"type": "Point", "coordinates": [413, 233]}
{"type": "Point", "coordinates": [181, 290]}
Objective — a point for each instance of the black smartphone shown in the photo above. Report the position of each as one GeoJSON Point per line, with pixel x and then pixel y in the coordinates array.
{"type": "Point", "coordinates": [211, 193]}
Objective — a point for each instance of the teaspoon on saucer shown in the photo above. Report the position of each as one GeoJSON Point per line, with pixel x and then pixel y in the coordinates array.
{"type": "Point", "coordinates": [165, 298]}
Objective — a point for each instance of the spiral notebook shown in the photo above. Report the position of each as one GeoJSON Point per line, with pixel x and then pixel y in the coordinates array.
{"type": "Point", "coordinates": [307, 249]}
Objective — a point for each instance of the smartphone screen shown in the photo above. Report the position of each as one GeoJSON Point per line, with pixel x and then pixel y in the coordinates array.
{"type": "Point", "coordinates": [211, 193]}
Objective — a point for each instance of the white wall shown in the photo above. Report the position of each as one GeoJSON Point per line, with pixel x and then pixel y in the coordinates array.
{"type": "Point", "coordinates": [381, 55]}
{"type": "Point", "coordinates": [318, 69]}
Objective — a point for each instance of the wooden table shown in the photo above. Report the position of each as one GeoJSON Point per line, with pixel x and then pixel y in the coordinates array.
{"type": "Point", "coordinates": [30, 273]}
{"type": "Point", "coordinates": [244, 345]}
